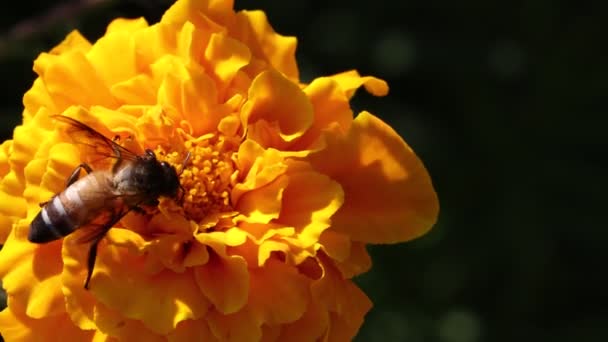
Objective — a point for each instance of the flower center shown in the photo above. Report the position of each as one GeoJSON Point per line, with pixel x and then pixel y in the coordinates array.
{"type": "Point", "coordinates": [208, 176]}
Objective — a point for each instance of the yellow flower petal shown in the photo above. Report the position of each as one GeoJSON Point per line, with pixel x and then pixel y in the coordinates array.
{"type": "Point", "coordinates": [192, 331]}
{"type": "Point", "coordinates": [350, 81]}
{"type": "Point", "coordinates": [268, 247]}
{"type": "Point", "coordinates": [253, 29]}
{"type": "Point", "coordinates": [225, 281]}
{"type": "Point", "coordinates": [236, 327]}
{"type": "Point", "coordinates": [113, 55]}
{"type": "Point", "coordinates": [126, 25]}
{"type": "Point", "coordinates": [120, 283]}
{"type": "Point", "coordinates": [74, 41]}
{"type": "Point", "coordinates": [309, 202]}
{"type": "Point", "coordinates": [112, 323]}
{"type": "Point", "coordinates": [259, 167]}
{"type": "Point", "coordinates": [70, 78]}
{"type": "Point", "coordinates": [310, 327]}
{"type": "Point", "coordinates": [225, 56]}
{"type": "Point", "coordinates": [31, 276]}
{"type": "Point", "coordinates": [345, 301]}
{"type": "Point", "coordinates": [5, 149]}
{"type": "Point", "coordinates": [278, 280]}
{"type": "Point", "coordinates": [330, 105]}
{"type": "Point", "coordinates": [17, 326]}
{"type": "Point", "coordinates": [388, 193]}
{"type": "Point", "coordinates": [137, 90]}
{"type": "Point", "coordinates": [199, 12]}
{"type": "Point", "coordinates": [263, 204]}
{"type": "Point", "coordinates": [279, 103]}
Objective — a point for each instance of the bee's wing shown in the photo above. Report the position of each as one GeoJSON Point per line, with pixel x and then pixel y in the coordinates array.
{"type": "Point", "coordinates": [96, 230]}
{"type": "Point", "coordinates": [97, 148]}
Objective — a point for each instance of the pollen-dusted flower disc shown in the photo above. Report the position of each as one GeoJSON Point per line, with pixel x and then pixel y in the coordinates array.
{"type": "Point", "coordinates": [284, 188]}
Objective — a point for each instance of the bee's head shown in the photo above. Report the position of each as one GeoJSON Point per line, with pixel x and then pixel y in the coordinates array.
{"type": "Point", "coordinates": [169, 185]}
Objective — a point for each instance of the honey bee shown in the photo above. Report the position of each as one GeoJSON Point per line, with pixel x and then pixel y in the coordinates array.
{"type": "Point", "coordinates": [99, 200]}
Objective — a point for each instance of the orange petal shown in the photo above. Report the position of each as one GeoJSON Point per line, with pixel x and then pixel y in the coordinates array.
{"type": "Point", "coordinates": [225, 56]}
{"type": "Point", "coordinates": [236, 327]}
{"type": "Point", "coordinates": [388, 193]}
{"type": "Point", "coordinates": [310, 327]}
{"type": "Point", "coordinates": [5, 149]}
{"type": "Point", "coordinates": [253, 29]}
{"type": "Point", "coordinates": [263, 204]}
{"type": "Point", "coordinates": [74, 41]}
{"type": "Point", "coordinates": [278, 280]}
{"type": "Point", "coordinates": [196, 11]}
{"type": "Point", "coordinates": [28, 141]}
{"type": "Point", "coordinates": [176, 296]}
{"type": "Point", "coordinates": [280, 103]}
{"type": "Point", "coordinates": [113, 55]}
{"type": "Point", "coordinates": [268, 247]}
{"type": "Point", "coordinates": [31, 276]}
{"type": "Point", "coordinates": [71, 79]}
{"type": "Point", "coordinates": [350, 81]}
{"type": "Point", "coordinates": [17, 326]}
{"type": "Point", "coordinates": [192, 331]}
{"type": "Point", "coordinates": [225, 281]}
{"type": "Point", "coordinates": [127, 25]}
{"type": "Point", "coordinates": [257, 166]}
{"type": "Point", "coordinates": [62, 160]}
{"type": "Point", "coordinates": [358, 261]}
{"type": "Point", "coordinates": [337, 246]}
{"type": "Point", "coordinates": [347, 303]}
{"type": "Point", "coordinates": [309, 201]}
{"type": "Point", "coordinates": [113, 323]}
{"type": "Point", "coordinates": [330, 105]}
{"type": "Point", "coordinates": [137, 90]}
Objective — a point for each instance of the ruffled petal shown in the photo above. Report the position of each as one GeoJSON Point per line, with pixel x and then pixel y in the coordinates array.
{"type": "Point", "coordinates": [280, 105]}
{"type": "Point", "coordinates": [350, 81]}
{"type": "Point", "coordinates": [31, 276]}
{"type": "Point", "coordinates": [373, 162]}
{"type": "Point", "coordinates": [309, 202]}
{"type": "Point", "coordinates": [310, 327]}
{"type": "Point", "coordinates": [70, 78]}
{"type": "Point", "coordinates": [16, 325]}
{"type": "Point", "coordinates": [113, 55]}
{"type": "Point", "coordinates": [259, 168]}
{"type": "Point", "coordinates": [253, 29]}
{"type": "Point", "coordinates": [120, 283]}
{"type": "Point", "coordinates": [225, 281]}
{"type": "Point", "coordinates": [331, 107]}
{"type": "Point", "coordinates": [236, 327]}
{"type": "Point", "coordinates": [200, 12]}
{"type": "Point", "coordinates": [345, 301]}
{"type": "Point", "coordinates": [278, 280]}
{"type": "Point", "coordinates": [225, 56]}
{"type": "Point", "coordinates": [192, 331]}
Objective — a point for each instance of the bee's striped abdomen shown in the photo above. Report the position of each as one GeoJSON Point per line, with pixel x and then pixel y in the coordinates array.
{"type": "Point", "coordinates": [53, 221]}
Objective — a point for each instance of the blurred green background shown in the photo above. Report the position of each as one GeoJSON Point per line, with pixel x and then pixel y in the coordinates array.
{"type": "Point", "coordinates": [503, 101]}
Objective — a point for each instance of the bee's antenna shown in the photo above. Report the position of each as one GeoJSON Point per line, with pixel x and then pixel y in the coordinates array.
{"type": "Point", "coordinates": [184, 163]}
{"type": "Point", "coordinates": [181, 187]}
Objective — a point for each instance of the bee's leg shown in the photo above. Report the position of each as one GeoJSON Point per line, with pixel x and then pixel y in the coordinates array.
{"type": "Point", "coordinates": [91, 261]}
{"type": "Point", "coordinates": [95, 238]}
{"type": "Point", "coordinates": [76, 173]}
{"type": "Point", "coordinates": [118, 155]}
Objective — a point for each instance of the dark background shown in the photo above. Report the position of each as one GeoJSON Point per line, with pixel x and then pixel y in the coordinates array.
{"type": "Point", "coordinates": [503, 101]}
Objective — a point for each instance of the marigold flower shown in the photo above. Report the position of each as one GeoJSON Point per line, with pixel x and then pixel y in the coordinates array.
{"type": "Point", "coordinates": [284, 188]}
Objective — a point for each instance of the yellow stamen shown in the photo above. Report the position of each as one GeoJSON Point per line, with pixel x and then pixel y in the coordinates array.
{"type": "Point", "coordinates": [207, 178]}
